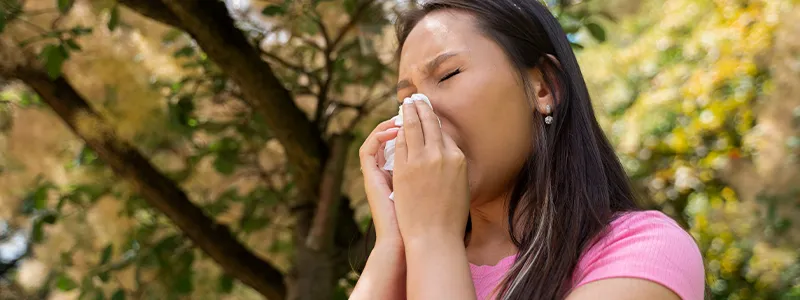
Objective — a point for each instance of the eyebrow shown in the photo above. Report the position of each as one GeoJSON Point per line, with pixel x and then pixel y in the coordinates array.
{"type": "Point", "coordinates": [429, 67]}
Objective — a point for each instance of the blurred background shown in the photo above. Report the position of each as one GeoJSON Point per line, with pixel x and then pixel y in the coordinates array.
{"type": "Point", "coordinates": [154, 149]}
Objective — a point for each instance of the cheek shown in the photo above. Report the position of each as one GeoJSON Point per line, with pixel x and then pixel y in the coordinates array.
{"type": "Point", "coordinates": [494, 127]}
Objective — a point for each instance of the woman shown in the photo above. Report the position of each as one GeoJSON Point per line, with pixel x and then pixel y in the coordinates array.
{"type": "Point", "coordinates": [519, 161]}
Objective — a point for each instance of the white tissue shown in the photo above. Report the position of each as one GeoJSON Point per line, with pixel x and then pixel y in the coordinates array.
{"type": "Point", "coordinates": [398, 121]}
{"type": "Point", "coordinates": [388, 151]}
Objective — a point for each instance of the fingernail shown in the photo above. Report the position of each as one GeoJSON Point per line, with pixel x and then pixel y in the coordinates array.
{"type": "Point", "coordinates": [393, 129]}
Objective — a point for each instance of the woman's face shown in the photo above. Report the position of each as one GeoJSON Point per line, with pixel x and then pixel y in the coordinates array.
{"type": "Point", "coordinates": [477, 94]}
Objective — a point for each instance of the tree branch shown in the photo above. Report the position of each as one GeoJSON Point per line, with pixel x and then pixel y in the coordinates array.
{"type": "Point", "coordinates": [209, 23]}
{"type": "Point", "coordinates": [320, 236]}
{"type": "Point", "coordinates": [291, 66]}
{"type": "Point", "coordinates": [368, 107]}
{"type": "Point", "coordinates": [154, 10]}
{"type": "Point", "coordinates": [360, 10]}
{"type": "Point", "coordinates": [311, 43]}
{"type": "Point", "coordinates": [330, 47]}
{"type": "Point", "coordinates": [158, 190]}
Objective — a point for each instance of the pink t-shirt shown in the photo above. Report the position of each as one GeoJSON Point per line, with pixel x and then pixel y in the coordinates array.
{"type": "Point", "coordinates": [647, 245]}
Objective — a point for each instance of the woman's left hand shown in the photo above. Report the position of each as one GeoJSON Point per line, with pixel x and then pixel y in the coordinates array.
{"type": "Point", "coordinates": [430, 182]}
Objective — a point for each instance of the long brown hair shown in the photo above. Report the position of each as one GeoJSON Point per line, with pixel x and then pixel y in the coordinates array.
{"type": "Point", "coordinates": [572, 185]}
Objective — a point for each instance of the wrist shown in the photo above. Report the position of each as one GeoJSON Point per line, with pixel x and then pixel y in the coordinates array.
{"type": "Point", "coordinates": [391, 248]}
{"type": "Point", "coordinates": [433, 240]}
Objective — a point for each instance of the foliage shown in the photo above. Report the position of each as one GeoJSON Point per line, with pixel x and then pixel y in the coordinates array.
{"type": "Point", "coordinates": [681, 114]}
{"type": "Point", "coordinates": [677, 115]}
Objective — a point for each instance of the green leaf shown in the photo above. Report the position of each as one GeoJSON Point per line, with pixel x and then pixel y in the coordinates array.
{"type": "Point", "coordinates": [308, 26]}
{"type": "Point", "coordinates": [264, 196]}
{"type": "Point", "coordinates": [225, 284]}
{"type": "Point", "coordinates": [167, 244]}
{"type": "Point", "coordinates": [186, 260]}
{"type": "Point", "coordinates": [66, 259]}
{"type": "Point", "coordinates": [64, 283]}
{"type": "Point", "coordinates": [317, 2]}
{"type": "Point", "coordinates": [73, 45]}
{"type": "Point", "coordinates": [273, 10]}
{"type": "Point", "coordinates": [80, 30]}
{"type": "Point", "coordinates": [288, 188]}
{"type": "Point", "coordinates": [225, 165]}
{"type": "Point", "coordinates": [597, 31]}
{"type": "Point", "coordinates": [113, 22]}
{"type": "Point", "coordinates": [86, 157]}
{"type": "Point", "coordinates": [183, 283]}
{"type": "Point", "coordinates": [2, 19]}
{"type": "Point", "coordinates": [181, 114]}
{"type": "Point", "coordinates": [38, 232]}
{"type": "Point", "coordinates": [171, 36]}
{"type": "Point", "coordinates": [184, 52]}
{"type": "Point", "coordinates": [40, 197]}
{"type": "Point", "coordinates": [49, 218]}
{"type": "Point", "coordinates": [350, 6]}
{"type": "Point", "coordinates": [227, 158]}
{"type": "Point", "coordinates": [105, 257]}
{"type": "Point", "coordinates": [118, 295]}
{"type": "Point", "coordinates": [65, 5]}
{"type": "Point", "coordinates": [571, 28]}
{"type": "Point", "coordinates": [53, 57]}
{"type": "Point", "coordinates": [576, 46]}
{"type": "Point", "coordinates": [254, 223]}
{"type": "Point", "coordinates": [280, 246]}
{"type": "Point", "coordinates": [36, 200]}
{"type": "Point", "coordinates": [339, 294]}
{"type": "Point", "coordinates": [218, 85]}
{"type": "Point", "coordinates": [104, 276]}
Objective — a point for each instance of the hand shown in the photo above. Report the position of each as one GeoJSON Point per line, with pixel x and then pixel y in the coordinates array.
{"type": "Point", "coordinates": [430, 178]}
{"type": "Point", "coordinates": [377, 184]}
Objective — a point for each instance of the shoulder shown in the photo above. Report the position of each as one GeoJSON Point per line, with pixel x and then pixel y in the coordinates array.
{"type": "Point", "coordinates": [645, 245]}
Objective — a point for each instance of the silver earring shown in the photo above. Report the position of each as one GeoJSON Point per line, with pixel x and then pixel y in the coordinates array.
{"type": "Point", "coordinates": [548, 119]}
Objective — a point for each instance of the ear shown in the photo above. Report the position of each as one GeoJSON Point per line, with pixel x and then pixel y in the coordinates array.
{"type": "Point", "coordinates": [544, 96]}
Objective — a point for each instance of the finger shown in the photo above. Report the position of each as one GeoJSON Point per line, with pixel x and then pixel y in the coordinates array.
{"type": "Point", "coordinates": [386, 135]}
{"type": "Point", "coordinates": [373, 143]}
{"type": "Point", "coordinates": [449, 143]}
{"type": "Point", "coordinates": [400, 148]}
{"type": "Point", "coordinates": [412, 128]}
{"type": "Point", "coordinates": [383, 126]}
{"type": "Point", "coordinates": [431, 130]}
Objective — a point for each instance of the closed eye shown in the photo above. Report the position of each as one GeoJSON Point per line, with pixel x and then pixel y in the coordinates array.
{"type": "Point", "coordinates": [450, 75]}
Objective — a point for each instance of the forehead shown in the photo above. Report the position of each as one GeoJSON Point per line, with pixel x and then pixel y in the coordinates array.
{"type": "Point", "coordinates": [438, 32]}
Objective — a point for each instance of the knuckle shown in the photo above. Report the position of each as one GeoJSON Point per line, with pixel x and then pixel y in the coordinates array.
{"type": "Point", "coordinates": [364, 150]}
{"type": "Point", "coordinates": [433, 158]}
{"type": "Point", "coordinates": [412, 123]}
{"type": "Point", "coordinates": [456, 157]}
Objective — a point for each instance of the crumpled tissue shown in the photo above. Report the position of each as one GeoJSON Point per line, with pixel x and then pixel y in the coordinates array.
{"type": "Point", "coordinates": [389, 149]}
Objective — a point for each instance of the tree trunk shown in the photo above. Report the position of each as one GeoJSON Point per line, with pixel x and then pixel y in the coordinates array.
{"type": "Point", "coordinates": [315, 260]}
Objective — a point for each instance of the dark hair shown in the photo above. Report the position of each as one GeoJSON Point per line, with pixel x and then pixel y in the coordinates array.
{"type": "Point", "coordinates": [572, 185]}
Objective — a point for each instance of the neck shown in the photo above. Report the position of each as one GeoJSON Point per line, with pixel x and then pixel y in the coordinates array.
{"type": "Point", "coordinates": [489, 241]}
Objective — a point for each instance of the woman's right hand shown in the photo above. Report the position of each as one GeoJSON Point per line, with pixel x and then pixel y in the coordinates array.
{"type": "Point", "coordinates": [384, 276]}
{"type": "Point", "coordinates": [377, 183]}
